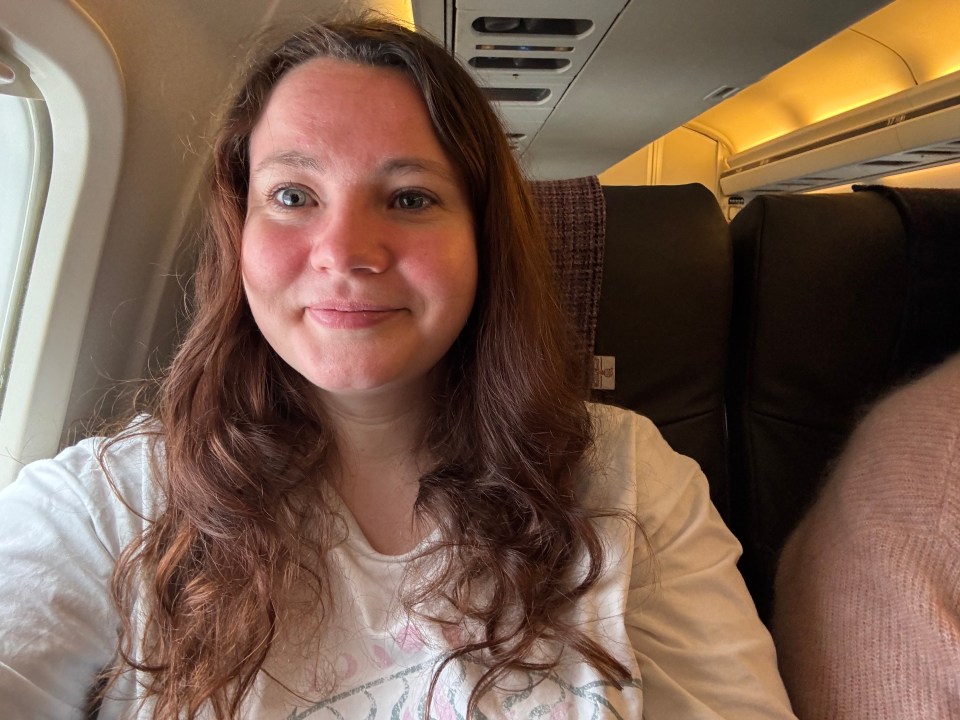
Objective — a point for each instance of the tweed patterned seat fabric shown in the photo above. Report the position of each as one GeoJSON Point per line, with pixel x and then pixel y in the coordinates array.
{"type": "Point", "coordinates": [574, 217]}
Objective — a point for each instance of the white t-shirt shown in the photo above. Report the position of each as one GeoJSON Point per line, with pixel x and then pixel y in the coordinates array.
{"type": "Point", "coordinates": [683, 621]}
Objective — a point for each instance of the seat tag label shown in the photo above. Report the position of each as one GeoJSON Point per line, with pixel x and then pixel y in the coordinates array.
{"type": "Point", "coordinates": [604, 372]}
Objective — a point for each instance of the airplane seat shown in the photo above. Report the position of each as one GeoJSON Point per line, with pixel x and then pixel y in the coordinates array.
{"type": "Point", "coordinates": [836, 297]}
{"type": "Point", "coordinates": [660, 307]}
{"type": "Point", "coordinates": [664, 317]}
{"type": "Point", "coordinates": [930, 325]}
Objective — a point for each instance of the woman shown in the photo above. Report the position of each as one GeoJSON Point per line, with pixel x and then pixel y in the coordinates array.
{"type": "Point", "coordinates": [369, 485]}
{"type": "Point", "coordinates": [868, 585]}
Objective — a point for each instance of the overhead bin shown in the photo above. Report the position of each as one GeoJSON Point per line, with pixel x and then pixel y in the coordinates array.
{"type": "Point", "coordinates": [912, 129]}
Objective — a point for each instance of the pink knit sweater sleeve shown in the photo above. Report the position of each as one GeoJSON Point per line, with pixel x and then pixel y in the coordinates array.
{"type": "Point", "coordinates": [867, 615]}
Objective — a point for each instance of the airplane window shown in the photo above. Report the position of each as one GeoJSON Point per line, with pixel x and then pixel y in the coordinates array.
{"type": "Point", "coordinates": [25, 146]}
{"type": "Point", "coordinates": [61, 142]}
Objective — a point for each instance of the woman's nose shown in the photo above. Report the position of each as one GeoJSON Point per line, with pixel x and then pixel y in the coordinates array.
{"type": "Point", "coordinates": [350, 238]}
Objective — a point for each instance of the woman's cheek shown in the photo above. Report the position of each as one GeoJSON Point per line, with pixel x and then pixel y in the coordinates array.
{"type": "Point", "coordinates": [270, 256]}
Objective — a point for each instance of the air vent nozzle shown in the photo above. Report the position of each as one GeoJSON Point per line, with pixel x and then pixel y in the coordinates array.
{"type": "Point", "coordinates": [887, 163]}
{"type": "Point", "coordinates": [527, 48]}
{"type": "Point", "coordinates": [508, 94]}
{"type": "Point", "coordinates": [518, 63]}
{"type": "Point", "coordinates": [532, 26]}
{"type": "Point", "coordinates": [721, 93]}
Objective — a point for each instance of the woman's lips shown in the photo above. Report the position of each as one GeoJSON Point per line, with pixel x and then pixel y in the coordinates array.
{"type": "Point", "coordinates": [351, 316]}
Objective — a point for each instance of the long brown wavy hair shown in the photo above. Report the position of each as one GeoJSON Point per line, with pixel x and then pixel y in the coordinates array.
{"type": "Point", "coordinates": [244, 450]}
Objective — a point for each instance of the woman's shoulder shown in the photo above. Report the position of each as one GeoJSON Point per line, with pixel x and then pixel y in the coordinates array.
{"type": "Point", "coordinates": [629, 436]}
{"type": "Point", "coordinates": [632, 466]}
{"type": "Point", "coordinates": [613, 424]}
{"type": "Point", "coordinates": [926, 406]}
{"type": "Point", "coordinates": [899, 468]}
{"type": "Point", "coordinates": [105, 477]}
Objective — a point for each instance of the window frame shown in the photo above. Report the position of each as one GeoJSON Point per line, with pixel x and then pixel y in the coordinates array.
{"type": "Point", "coordinates": [77, 72]}
{"type": "Point", "coordinates": [31, 146]}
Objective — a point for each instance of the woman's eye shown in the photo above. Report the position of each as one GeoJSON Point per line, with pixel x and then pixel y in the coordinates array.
{"type": "Point", "coordinates": [412, 201]}
{"type": "Point", "coordinates": [291, 197]}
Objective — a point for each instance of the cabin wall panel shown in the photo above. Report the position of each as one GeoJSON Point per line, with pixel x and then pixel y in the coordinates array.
{"type": "Point", "coordinates": [680, 157]}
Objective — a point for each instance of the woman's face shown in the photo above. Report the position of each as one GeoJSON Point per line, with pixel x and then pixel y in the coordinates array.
{"type": "Point", "coordinates": [358, 253]}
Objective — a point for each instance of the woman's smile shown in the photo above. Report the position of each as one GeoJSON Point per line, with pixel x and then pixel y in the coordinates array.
{"type": "Point", "coordinates": [352, 316]}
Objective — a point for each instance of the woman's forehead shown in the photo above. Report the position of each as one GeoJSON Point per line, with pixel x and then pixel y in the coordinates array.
{"type": "Point", "coordinates": [328, 108]}
{"type": "Point", "coordinates": [324, 91]}
{"type": "Point", "coordinates": [325, 75]}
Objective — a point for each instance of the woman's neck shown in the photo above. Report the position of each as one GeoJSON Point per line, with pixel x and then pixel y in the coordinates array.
{"type": "Point", "coordinates": [379, 461]}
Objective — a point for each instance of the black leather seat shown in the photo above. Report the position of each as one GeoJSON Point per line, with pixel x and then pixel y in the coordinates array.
{"type": "Point", "coordinates": [755, 347]}
{"type": "Point", "coordinates": [836, 297]}
{"type": "Point", "coordinates": [664, 315]}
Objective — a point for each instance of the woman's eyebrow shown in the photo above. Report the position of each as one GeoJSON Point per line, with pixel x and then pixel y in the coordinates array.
{"type": "Point", "coordinates": [393, 166]}
{"type": "Point", "coordinates": [289, 158]}
{"type": "Point", "coordinates": [404, 165]}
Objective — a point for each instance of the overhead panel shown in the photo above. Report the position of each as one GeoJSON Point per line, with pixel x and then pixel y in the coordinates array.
{"type": "Point", "coordinates": [662, 64]}
{"type": "Point", "coordinates": [637, 68]}
{"type": "Point", "coordinates": [923, 33]}
{"type": "Point", "coordinates": [881, 97]}
{"type": "Point", "coordinates": [905, 44]}
{"type": "Point", "coordinates": [909, 130]}
{"type": "Point", "coordinates": [525, 55]}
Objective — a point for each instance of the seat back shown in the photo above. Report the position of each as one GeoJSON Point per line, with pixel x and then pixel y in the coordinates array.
{"type": "Point", "coordinates": [835, 298]}
{"type": "Point", "coordinates": [664, 316]}
{"type": "Point", "coordinates": [646, 274]}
